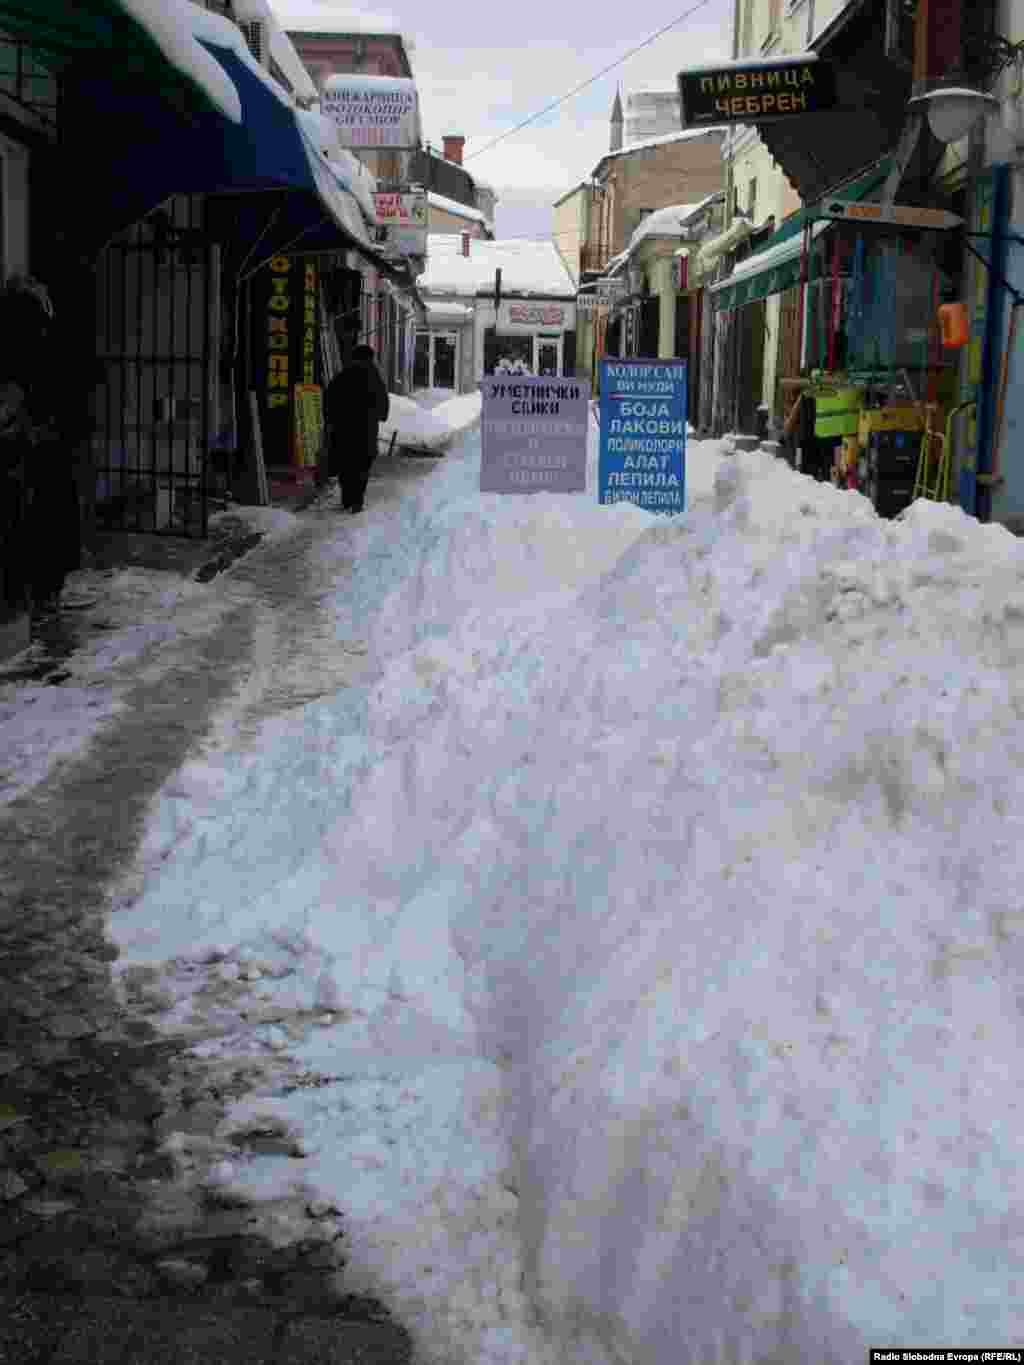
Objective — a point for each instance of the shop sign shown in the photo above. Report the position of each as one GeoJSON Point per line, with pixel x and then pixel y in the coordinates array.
{"type": "Point", "coordinates": [285, 341]}
{"type": "Point", "coordinates": [533, 314]}
{"type": "Point", "coordinates": [612, 289]}
{"type": "Point", "coordinates": [642, 452]}
{"type": "Point", "coordinates": [309, 424]}
{"type": "Point", "coordinates": [397, 240]}
{"type": "Point", "coordinates": [401, 209]}
{"type": "Point", "coordinates": [533, 434]}
{"type": "Point", "coordinates": [373, 111]}
{"type": "Point", "coordinates": [899, 215]}
{"type": "Point", "coordinates": [757, 93]}
{"type": "Point", "coordinates": [586, 303]}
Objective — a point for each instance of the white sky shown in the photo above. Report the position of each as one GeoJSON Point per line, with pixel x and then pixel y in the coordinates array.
{"type": "Point", "coordinates": [480, 78]}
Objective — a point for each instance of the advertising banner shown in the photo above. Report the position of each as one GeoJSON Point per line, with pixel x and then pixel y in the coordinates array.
{"type": "Point", "coordinates": [403, 222]}
{"type": "Point", "coordinates": [309, 424]}
{"type": "Point", "coordinates": [373, 111]}
{"type": "Point", "coordinates": [285, 344]}
{"type": "Point", "coordinates": [642, 455]}
{"type": "Point", "coordinates": [533, 434]}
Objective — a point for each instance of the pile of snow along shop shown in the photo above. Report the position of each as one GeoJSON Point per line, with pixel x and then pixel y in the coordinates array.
{"type": "Point", "coordinates": [648, 915]}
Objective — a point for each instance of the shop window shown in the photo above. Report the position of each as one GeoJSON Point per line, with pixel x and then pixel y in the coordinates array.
{"type": "Point", "coordinates": [752, 199]}
{"type": "Point", "coordinates": [514, 348]}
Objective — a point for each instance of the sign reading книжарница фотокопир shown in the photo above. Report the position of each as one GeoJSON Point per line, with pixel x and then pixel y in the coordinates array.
{"type": "Point", "coordinates": [533, 432]}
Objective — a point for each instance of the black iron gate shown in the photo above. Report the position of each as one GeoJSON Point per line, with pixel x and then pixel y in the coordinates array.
{"type": "Point", "coordinates": [158, 340]}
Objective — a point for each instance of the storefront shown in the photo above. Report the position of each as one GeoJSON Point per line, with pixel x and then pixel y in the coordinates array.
{"type": "Point", "coordinates": [443, 351]}
{"type": "Point", "coordinates": [541, 333]}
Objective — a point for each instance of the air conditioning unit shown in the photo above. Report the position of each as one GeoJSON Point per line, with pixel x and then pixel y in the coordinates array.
{"type": "Point", "coordinates": [255, 34]}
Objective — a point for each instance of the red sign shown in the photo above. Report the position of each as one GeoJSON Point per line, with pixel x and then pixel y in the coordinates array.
{"type": "Point", "coordinates": [547, 315]}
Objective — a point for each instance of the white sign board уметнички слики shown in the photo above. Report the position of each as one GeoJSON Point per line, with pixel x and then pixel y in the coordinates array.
{"type": "Point", "coordinates": [533, 434]}
{"type": "Point", "coordinates": [642, 454]}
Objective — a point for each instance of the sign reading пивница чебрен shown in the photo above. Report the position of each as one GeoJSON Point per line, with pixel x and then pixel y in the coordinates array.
{"type": "Point", "coordinates": [758, 92]}
{"type": "Point", "coordinates": [533, 434]}
{"type": "Point", "coordinates": [642, 455]}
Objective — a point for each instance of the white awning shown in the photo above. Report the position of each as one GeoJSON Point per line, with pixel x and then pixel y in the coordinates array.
{"type": "Point", "coordinates": [447, 312]}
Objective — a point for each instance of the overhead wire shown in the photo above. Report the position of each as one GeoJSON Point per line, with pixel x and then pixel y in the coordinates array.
{"type": "Point", "coordinates": [590, 81]}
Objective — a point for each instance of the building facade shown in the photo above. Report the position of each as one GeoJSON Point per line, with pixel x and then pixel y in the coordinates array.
{"type": "Point", "coordinates": [476, 321]}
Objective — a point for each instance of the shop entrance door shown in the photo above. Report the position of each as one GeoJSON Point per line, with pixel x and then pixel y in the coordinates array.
{"type": "Point", "coordinates": [158, 338]}
{"type": "Point", "coordinates": [421, 362]}
{"type": "Point", "coordinates": [547, 356]}
{"type": "Point", "coordinates": [445, 349]}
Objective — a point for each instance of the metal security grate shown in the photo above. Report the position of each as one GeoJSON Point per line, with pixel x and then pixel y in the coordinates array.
{"type": "Point", "coordinates": [158, 338]}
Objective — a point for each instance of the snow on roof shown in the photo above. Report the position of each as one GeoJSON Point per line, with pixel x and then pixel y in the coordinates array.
{"type": "Point", "coordinates": [742, 63]}
{"type": "Point", "coordinates": [326, 16]}
{"type": "Point", "coordinates": [453, 206]}
{"type": "Point", "coordinates": [683, 136]}
{"type": "Point", "coordinates": [526, 267]}
{"type": "Point", "coordinates": [651, 88]}
{"type": "Point", "coordinates": [175, 26]}
{"type": "Point", "coordinates": [281, 47]}
{"type": "Point", "coordinates": [664, 222]}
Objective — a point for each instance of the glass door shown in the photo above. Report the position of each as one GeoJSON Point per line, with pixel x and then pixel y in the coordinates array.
{"type": "Point", "coordinates": [421, 362]}
{"type": "Point", "coordinates": [548, 355]}
{"type": "Point", "coordinates": [445, 348]}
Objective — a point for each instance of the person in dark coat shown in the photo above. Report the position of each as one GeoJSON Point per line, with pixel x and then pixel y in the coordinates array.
{"type": "Point", "coordinates": [356, 402]}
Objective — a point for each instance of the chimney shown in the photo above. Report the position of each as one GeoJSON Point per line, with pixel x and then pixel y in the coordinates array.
{"type": "Point", "coordinates": [465, 243]}
{"type": "Point", "coordinates": [453, 145]}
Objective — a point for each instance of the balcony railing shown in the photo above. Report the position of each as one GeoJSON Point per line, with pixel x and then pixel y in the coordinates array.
{"type": "Point", "coordinates": [594, 257]}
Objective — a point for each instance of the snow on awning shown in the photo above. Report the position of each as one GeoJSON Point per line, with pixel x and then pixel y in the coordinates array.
{"type": "Point", "coordinates": [725, 241]}
{"type": "Point", "coordinates": [440, 311]}
{"type": "Point", "coordinates": [156, 40]}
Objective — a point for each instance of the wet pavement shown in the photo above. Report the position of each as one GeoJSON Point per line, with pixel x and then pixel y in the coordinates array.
{"type": "Point", "coordinates": [114, 1245]}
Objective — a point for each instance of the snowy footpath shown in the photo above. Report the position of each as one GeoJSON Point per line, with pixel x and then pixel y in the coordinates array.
{"type": "Point", "coordinates": [632, 948]}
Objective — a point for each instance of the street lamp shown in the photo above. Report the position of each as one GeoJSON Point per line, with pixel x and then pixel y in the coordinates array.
{"type": "Point", "coordinates": [953, 110]}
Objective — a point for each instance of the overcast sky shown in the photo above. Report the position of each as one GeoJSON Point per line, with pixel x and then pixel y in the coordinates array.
{"type": "Point", "coordinates": [480, 70]}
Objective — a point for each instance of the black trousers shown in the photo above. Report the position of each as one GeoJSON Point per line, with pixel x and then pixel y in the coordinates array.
{"type": "Point", "coordinates": [352, 457]}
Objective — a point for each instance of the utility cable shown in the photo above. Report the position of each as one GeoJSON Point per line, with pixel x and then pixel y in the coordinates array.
{"type": "Point", "coordinates": [583, 84]}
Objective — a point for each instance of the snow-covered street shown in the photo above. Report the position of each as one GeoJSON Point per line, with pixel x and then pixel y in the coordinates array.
{"type": "Point", "coordinates": [628, 935]}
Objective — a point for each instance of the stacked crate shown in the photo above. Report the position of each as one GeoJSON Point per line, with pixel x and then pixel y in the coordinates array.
{"type": "Point", "coordinates": [890, 441]}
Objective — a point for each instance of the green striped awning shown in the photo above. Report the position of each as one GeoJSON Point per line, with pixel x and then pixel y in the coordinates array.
{"type": "Point", "coordinates": [783, 249]}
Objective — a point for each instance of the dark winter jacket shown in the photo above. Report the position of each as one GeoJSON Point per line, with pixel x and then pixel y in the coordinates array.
{"type": "Point", "coordinates": [356, 402]}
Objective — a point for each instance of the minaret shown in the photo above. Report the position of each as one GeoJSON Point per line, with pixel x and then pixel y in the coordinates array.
{"type": "Point", "coordinates": [615, 142]}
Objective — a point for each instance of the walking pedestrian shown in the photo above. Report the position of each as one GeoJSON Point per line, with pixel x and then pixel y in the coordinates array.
{"type": "Point", "coordinates": [356, 402]}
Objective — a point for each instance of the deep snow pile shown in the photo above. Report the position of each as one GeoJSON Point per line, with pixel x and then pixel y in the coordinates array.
{"type": "Point", "coordinates": [651, 919]}
{"type": "Point", "coordinates": [429, 428]}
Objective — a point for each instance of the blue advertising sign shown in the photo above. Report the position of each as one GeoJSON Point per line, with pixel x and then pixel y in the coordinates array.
{"type": "Point", "coordinates": [642, 455]}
